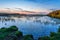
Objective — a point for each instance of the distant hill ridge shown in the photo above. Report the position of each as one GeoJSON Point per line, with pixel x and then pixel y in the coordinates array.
{"type": "Point", "coordinates": [17, 14]}
{"type": "Point", "coordinates": [55, 14]}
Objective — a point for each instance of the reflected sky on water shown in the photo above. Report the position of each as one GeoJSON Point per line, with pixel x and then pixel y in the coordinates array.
{"type": "Point", "coordinates": [37, 25]}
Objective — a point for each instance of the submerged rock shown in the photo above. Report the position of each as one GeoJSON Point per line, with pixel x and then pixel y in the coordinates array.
{"type": "Point", "coordinates": [28, 37]}
{"type": "Point", "coordinates": [12, 33]}
{"type": "Point", "coordinates": [44, 38]}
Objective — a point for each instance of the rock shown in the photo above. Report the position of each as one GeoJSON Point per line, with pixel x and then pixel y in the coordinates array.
{"type": "Point", "coordinates": [44, 38]}
{"type": "Point", "coordinates": [13, 28]}
{"type": "Point", "coordinates": [28, 37]}
{"type": "Point", "coordinates": [18, 34]}
{"type": "Point", "coordinates": [10, 33]}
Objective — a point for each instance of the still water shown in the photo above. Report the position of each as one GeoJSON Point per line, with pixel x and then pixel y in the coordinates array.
{"type": "Point", "coordinates": [37, 25]}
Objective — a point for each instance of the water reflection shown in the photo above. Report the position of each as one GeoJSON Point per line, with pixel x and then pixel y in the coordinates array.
{"type": "Point", "coordinates": [37, 26]}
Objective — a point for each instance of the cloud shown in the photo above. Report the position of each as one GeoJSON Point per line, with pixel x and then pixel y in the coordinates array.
{"type": "Point", "coordinates": [53, 9]}
{"type": "Point", "coordinates": [39, 0]}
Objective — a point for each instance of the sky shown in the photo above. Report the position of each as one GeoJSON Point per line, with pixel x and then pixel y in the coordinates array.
{"type": "Point", "coordinates": [31, 5]}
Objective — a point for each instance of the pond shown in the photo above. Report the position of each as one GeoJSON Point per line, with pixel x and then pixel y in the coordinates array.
{"type": "Point", "coordinates": [36, 25]}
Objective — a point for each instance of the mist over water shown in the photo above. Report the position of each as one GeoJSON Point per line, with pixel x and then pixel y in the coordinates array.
{"type": "Point", "coordinates": [37, 25]}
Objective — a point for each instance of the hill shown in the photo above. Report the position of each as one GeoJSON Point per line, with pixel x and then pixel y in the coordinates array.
{"type": "Point", "coordinates": [18, 15]}
{"type": "Point", "coordinates": [55, 14]}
